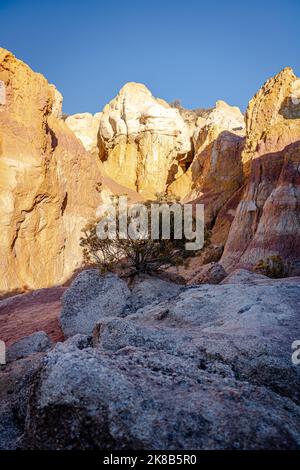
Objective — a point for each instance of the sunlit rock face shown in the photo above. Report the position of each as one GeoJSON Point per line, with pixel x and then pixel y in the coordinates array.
{"type": "Point", "coordinates": [86, 126]}
{"type": "Point", "coordinates": [147, 145]}
{"type": "Point", "coordinates": [215, 172]}
{"type": "Point", "coordinates": [267, 221]}
{"type": "Point", "coordinates": [140, 138]}
{"type": "Point", "coordinates": [47, 182]}
{"type": "Point", "coordinates": [51, 168]}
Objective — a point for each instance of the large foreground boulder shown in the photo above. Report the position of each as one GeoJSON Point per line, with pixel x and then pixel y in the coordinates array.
{"type": "Point", "coordinates": [209, 369]}
{"type": "Point", "coordinates": [141, 399]}
{"type": "Point", "coordinates": [16, 379]}
{"type": "Point", "coordinates": [93, 296]}
{"type": "Point", "coordinates": [149, 289]}
{"type": "Point", "coordinates": [90, 298]}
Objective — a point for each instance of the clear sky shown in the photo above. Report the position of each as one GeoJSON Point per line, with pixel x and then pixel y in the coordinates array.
{"type": "Point", "coordinates": [195, 51]}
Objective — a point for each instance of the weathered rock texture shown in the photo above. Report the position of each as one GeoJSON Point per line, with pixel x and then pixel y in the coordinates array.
{"type": "Point", "coordinates": [208, 369]}
{"type": "Point", "coordinates": [47, 182]}
{"type": "Point", "coordinates": [90, 298]}
{"type": "Point", "coordinates": [267, 221]}
{"type": "Point", "coordinates": [216, 170]}
{"type": "Point", "coordinates": [93, 297]}
{"type": "Point", "coordinates": [35, 343]}
{"type": "Point", "coordinates": [15, 382]}
{"type": "Point", "coordinates": [140, 138]}
{"type": "Point", "coordinates": [86, 127]}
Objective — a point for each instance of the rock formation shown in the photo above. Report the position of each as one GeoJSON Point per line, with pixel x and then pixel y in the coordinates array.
{"type": "Point", "coordinates": [215, 172]}
{"type": "Point", "coordinates": [209, 368]}
{"type": "Point", "coordinates": [267, 221]}
{"type": "Point", "coordinates": [51, 168]}
{"type": "Point", "coordinates": [86, 127]}
{"type": "Point", "coordinates": [47, 182]}
{"type": "Point", "coordinates": [153, 148]}
{"type": "Point", "coordinates": [140, 138]}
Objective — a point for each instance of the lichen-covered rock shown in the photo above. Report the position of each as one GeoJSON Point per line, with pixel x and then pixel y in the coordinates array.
{"type": "Point", "coordinates": [267, 220]}
{"type": "Point", "coordinates": [91, 297]}
{"type": "Point", "coordinates": [35, 343]}
{"type": "Point", "coordinates": [16, 379]}
{"type": "Point", "coordinates": [208, 369]}
{"type": "Point", "coordinates": [243, 276]}
{"type": "Point", "coordinates": [147, 400]}
{"type": "Point", "coordinates": [150, 289]}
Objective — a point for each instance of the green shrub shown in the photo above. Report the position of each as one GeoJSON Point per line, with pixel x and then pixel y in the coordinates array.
{"type": "Point", "coordinates": [131, 255]}
{"type": "Point", "coordinates": [273, 266]}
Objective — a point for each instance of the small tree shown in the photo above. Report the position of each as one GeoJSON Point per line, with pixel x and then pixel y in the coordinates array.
{"type": "Point", "coordinates": [136, 255]}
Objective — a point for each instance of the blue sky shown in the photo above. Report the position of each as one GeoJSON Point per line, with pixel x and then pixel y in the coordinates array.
{"type": "Point", "coordinates": [195, 51]}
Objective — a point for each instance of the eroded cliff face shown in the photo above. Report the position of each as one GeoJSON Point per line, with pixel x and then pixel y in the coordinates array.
{"type": "Point", "coordinates": [86, 127]}
{"type": "Point", "coordinates": [216, 171]}
{"type": "Point", "coordinates": [47, 182]}
{"type": "Point", "coordinates": [50, 170]}
{"type": "Point", "coordinates": [267, 221]}
{"type": "Point", "coordinates": [151, 147]}
{"type": "Point", "coordinates": [140, 138]}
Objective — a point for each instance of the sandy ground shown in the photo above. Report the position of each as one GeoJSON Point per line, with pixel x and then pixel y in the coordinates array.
{"type": "Point", "coordinates": [23, 314]}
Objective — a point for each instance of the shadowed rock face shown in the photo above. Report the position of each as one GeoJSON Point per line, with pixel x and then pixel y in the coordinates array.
{"type": "Point", "coordinates": [267, 220]}
{"type": "Point", "coordinates": [89, 298]}
{"type": "Point", "coordinates": [16, 379]}
{"type": "Point", "coordinates": [208, 369]}
{"type": "Point", "coordinates": [35, 343]}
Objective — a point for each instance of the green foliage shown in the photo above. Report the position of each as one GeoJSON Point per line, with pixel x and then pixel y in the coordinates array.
{"type": "Point", "coordinates": [135, 256]}
{"type": "Point", "coordinates": [273, 267]}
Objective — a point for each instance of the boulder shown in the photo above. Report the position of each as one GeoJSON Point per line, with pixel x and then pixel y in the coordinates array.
{"type": "Point", "coordinates": [211, 273]}
{"type": "Point", "coordinates": [16, 379]}
{"type": "Point", "coordinates": [136, 398]}
{"type": "Point", "coordinates": [91, 297]}
{"type": "Point", "coordinates": [243, 276]}
{"type": "Point", "coordinates": [249, 327]}
{"type": "Point", "coordinates": [35, 343]}
{"type": "Point", "coordinates": [208, 369]}
{"type": "Point", "coordinates": [149, 289]}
